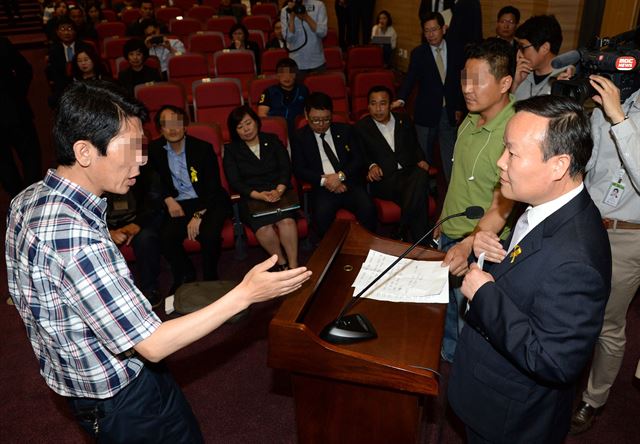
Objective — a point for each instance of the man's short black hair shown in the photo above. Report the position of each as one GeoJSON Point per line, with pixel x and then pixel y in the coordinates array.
{"type": "Point", "coordinates": [144, 24]}
{"type": "Point", "coordinates": [176, 109]}
{"type": "Point", "coordinates": [377, 89]}
{"type": "Point", "coordinates": [540, 29]}
{"type": "Point", "coordinates": [135, 44]}
{"type": "Point", "coordinates": [287, 63]}
{"type": "Point", "coordinates": [510, 10]}
{"type": "Point", "coordinates": [569, 130]}
{"type": "Point", "coordinates": [93, 111]}
{"type": "Point", "coordinates": [497, 53]}
{"type": "Point", "coordinates": [236, 116]}
{"type": "Point", "coordinates": [432, 16]}
{"type": "Point", "coordinates": [65, 20]}
{"type": "Point", "coordinates": [318, 100]}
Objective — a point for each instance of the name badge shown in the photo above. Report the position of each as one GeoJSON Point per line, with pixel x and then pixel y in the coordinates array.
{"type": "Point", "coordinates": [614, 194]}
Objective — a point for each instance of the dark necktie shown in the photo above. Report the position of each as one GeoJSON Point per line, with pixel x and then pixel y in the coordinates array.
{"type": "Point", "coordinates": [335, 163]}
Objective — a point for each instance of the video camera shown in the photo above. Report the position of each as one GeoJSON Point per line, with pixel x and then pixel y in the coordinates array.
{"type": "Point", "coordinates": [298, 8]}
{"type": "Point", "coordinates": [616, 58]}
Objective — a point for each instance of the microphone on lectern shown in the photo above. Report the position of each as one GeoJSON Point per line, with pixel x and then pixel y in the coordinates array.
{"type": "Point", "coordinates": [355, 327]}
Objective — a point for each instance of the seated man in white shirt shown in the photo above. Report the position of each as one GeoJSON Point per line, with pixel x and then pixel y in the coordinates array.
{"type": "Point", "coordinates": [397, 169]}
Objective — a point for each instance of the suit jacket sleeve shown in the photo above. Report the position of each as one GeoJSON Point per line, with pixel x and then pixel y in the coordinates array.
{"type": "Point", "coordinates": [208, 186]}
{"type": "Point", "coordinates": [551, 342]}
{"type": "Point", "coordinates": [302, 166]}
{"type": "Point", "coordinates": [231, 166]}
{"type": "Point", "coordinates": [407, 85]}
{"type": "Point", "coordinates": [158, 161]}
{"type": "Point", "coordinates": [282, 158]}
{"type": "Point", "coordinates": [353, 167]}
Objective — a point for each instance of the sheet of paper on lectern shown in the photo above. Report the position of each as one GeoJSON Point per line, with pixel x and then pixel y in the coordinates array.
{"type": "Point", "coordinates": [408, 281]}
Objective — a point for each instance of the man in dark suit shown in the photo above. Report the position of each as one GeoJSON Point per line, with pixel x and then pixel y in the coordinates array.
{"type": "Point", "coordinates": [327, 156]}
{"type": "Point", "coordinates": [19, 133]}
{"type": "Point", "coordinates": [397, 169]}
{"type": "Point", "coordinates": [60, 57]}
{"type": "Point", "coordinates": [534, 318]}
{"type": "Point", "coordinates": [439, 106]}
{"type": "Point", "coordinates": [195, 200]}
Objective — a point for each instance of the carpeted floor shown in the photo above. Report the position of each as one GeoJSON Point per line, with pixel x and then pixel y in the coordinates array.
{"type": "Point", "coordinates": [235, 396]}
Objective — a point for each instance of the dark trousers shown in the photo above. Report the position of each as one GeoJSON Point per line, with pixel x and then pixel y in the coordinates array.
{"type": "Point", "coordinates": [409, 188]}
{"type": "Point", "coordinates": [326, 204]}
{"type": "Point", "coordinates": [146, 245]}
{"type": "Point", "coordinates": [175, 231]}
{"type": "Point", "coordinates": [361, 20]}
{"type": "Point", "coordinates": [343, 17]}
{"type": "Point", "coordinates": [151, 409]}
{"type": "Point", "coordinates": [23, 138]}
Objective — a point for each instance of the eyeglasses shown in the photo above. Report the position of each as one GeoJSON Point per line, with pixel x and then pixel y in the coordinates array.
{"type": "Point", "coordinates": [507, 22]}
{"type": "Point", "coordinates": [317, 121]}
{"type": "Point", "coordinates": [432, 30]}
{"type": "Point", "coordinates": [522, 48]}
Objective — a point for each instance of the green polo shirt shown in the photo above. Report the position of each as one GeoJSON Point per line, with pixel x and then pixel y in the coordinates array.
{"type": "Point", "coordinates": [475, 174]}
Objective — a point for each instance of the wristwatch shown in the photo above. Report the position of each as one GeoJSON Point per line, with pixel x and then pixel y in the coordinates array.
{"type": "Point", "coordinates": [197, 215]}
{"type": "Point", "coordinates": [341, 176]}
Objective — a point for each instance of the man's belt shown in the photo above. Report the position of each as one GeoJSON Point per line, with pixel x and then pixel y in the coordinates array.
{"type": "Point", "coordinates": [614, 224]}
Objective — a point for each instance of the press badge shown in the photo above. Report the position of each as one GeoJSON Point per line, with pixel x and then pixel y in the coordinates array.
{"type": "Point", "coordinates": [614, 194]}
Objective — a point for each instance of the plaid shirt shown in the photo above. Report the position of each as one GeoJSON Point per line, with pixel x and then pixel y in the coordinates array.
{"type": "Point", "coordinates": [74, 291]}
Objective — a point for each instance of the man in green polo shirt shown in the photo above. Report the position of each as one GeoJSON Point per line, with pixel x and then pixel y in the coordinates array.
{"type": "Point", "coordinates": [486, 80]}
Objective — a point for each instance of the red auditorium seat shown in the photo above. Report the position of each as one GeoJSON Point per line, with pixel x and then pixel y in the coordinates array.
{"type": "Point", "coordinates": [270, 58]}
{"type": "Point", "coordinates": [332, 84]}
{"type": "Point", "coordinates": [221, 24]}
{"type": "Point", "coordinates": [187, 68]}
{"type": "Point", "coordinates": [182, 28]}
{"type": "Point", "coordinates": [156, 95]}
{"type": "Point", "coordinates": [260, 22]}
{"type": "Point", "coordinates": [270, 9]}
{"type": "Point", "coordinates": [207, 43]}
{"type": "Point", "coordinates": [238, 63]}
{"type": "Point", "coordinates": [129, 15]}
{"type": "Point", "coordinates": [213, 100]}
{"type": "Point", "coordinates": [363, 57]}
{"type": "Point", "coordinates": [165, 14]}
{"type": "Point", "coordinates": [201, 13]}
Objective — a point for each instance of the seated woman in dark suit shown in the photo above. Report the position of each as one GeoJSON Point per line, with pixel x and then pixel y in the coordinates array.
{"type": "Point", "coordinates": [239, 35]}
{"type": "Point", "coordinates": [257, 166]}
{"type": "Point", "coordinates": [136, 53]}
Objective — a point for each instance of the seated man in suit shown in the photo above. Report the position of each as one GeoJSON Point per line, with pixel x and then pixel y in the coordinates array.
{"type": "Point", "coordinates": [135, 219]}
{"type": "Point", "coordinates": [195, 200]}
{"type": "Point", "coordinates": [60, 57]}
{"type": "Point", "coordinates": [327, 155]}
{"type": "Point", "coordinates": [534, 317]}
{"type": "Point", "coordinates": [436, 66]}
{"type": "Point", "coordinates": [397, 169]}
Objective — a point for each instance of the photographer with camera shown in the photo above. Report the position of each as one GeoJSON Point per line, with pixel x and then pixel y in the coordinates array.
{"type": "Point", "coordinates": [613, 181]}
{"type": "Point", "coordinates": [304, 26]}
{"type": "Point", "coordinates": [160, 46]}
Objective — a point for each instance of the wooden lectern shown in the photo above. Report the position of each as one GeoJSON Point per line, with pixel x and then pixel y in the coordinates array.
{"type": "Point", "coordinates": [369, 392]}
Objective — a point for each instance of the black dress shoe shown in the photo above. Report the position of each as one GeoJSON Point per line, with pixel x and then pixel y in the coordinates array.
{"type": "Point", "coordinates": [582, 418]}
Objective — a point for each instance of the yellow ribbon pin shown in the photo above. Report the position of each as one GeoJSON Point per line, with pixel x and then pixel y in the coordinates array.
{"type": "Point", "coordinates": [194, 175]}
{"type": "Point", "coordinates": [514, 254]}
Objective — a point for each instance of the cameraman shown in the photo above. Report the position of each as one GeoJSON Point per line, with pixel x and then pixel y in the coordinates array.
{"type": "Point", "coordinates": [160, 46]}
{"type": "Point", "coordinates": [613, 180]}
{"type": "Point", "coordinates": [304, 26]}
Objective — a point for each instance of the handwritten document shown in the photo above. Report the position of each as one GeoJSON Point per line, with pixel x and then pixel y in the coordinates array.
{"type": "Point", "coordinates": [408, 281]}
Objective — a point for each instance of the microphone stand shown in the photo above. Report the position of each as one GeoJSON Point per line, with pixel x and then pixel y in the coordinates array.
{"type": "Point", "coordinates": [356, 327]}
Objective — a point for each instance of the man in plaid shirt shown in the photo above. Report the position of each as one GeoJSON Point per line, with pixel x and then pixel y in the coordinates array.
{"type": "Point", "coordinates": [95, 336]}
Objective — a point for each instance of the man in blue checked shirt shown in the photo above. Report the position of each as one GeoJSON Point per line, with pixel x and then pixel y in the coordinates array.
{"type": "Point", "coordinates": [96, 338]}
